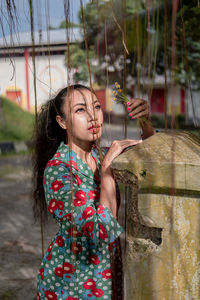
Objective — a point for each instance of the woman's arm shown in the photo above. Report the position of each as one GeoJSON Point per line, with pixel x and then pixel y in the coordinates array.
{"type": "Point", "coordinates": [147, 128]}
{"type": "Point", "coordinates": [69, 202]}
{"type": "Point", "coordinates": [139, 109]}
{"type": "Point", "coordinates": [108, 188]}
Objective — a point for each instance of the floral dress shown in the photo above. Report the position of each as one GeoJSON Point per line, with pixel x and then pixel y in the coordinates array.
{"type": "Point", "coordinates": [77, 263]}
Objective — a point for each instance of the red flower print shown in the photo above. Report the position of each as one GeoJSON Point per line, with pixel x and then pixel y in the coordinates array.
{"type": "Point", "coordinates": [112, 246]}
{"type": "Point", "coordinates": [68, 268]}
{"type": "Point", "coordinates": [52, 206]}
{"type": "Point", "coordinates": [79, 181]}
{"type": "Point", "coordinates": [65, 176]}
{"type": "Point", "coordinates": [59, 241]}
{"type": "Point", "coordinates": [76, 248]}
{"type": "Point", "coordinates": [100, 209]}
{"type": "Point", "coordinates": [72, 231]}
{"type": "Point", "coordinates": [48, 164]}
{"type": "Point", "coordinates": [49, 295]}
{"type": "Point", "coordinates": [89, 284]}
{"type": "Point", "coordinates": [58, 271]}
{"type": "Point", "coordinates": [68, 217]}
{"type": "Point", "coordinates": [97, 292]}
{"type": "Point", "coordinates": [80, 198]}
{"type": "Point", "coordinates": [71, 162]}
{"type": "Point", "coordinates": [42, 273]}
{"type": "Point", "coordinates": [93, 194]}
{"type": "Point", "coordinates": [102, 232]}
{"type": "Point", "coordinates": [50, 247]}
{"type": "Point", "coordinates": [49, 257]}
{"type": "Point", "coordinates": [72, 298]}
{"type": "Point", "coordinates": [88, 212]}
{"type": "Point", "coordinates": [60, 205]}
{"type": "Point", "coordinates": [57, 154]}
{"type": "Point", "coordinates": [56, 185]}
{"type": "Point", "coordinates": [55, 162]}
{"type": "Point", "coordinates": [88, 227]}
{"type": "Point", "coordinates": [93, 259]}
{"type": "Point", "coordinates": [38, 296]}
{"type": "Point", "coordinates": [107, 274]}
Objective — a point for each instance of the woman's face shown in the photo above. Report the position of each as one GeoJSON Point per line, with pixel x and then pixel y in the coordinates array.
{"type": "Point", "coordinates": [84, 117]}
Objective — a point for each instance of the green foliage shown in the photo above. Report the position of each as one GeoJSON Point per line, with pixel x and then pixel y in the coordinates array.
{"type": "Point", "coordinates": [19, 123]}
{"type": "Point", "coordinates": [65, 24]}
{"type": "Point", "coordinates": [188, 45]}
{"type": "Point", "coordinates": [78, 60]}
{"type": "Point", "coordinates": [145, 44]}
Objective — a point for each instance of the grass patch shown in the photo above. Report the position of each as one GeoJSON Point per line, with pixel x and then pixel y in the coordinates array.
{"type": "Point", "coordinates": [14, 153]}
{"type": "Point", "coordinates": [19, 123]}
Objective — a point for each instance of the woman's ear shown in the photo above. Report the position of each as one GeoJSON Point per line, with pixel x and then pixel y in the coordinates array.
{"type": "Point", "coordinates": [61, 122]}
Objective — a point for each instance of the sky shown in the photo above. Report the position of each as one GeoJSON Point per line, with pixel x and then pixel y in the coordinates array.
{"type": "Point", "coordinates": [55, 12]}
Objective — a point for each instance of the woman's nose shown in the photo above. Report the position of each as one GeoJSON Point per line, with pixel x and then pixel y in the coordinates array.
{"type": "Point", "coordinates": [91, 114]}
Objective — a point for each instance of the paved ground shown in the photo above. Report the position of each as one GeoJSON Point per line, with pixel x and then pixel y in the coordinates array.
{"type": "Point", "coordinates": [20, 245]}
{"type": "Point", "coordinates": [20, 240]}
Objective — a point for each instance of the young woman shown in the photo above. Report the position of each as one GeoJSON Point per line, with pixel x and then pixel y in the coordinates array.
{"type": "Point", "coordinates": [74, 182]}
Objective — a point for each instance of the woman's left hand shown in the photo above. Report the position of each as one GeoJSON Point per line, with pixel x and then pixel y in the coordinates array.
{"type": "Point", "coordinates": [138, 108]}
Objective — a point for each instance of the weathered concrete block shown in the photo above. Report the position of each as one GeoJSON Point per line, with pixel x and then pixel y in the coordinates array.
{"type": "Point", "coordinates": [162, 260]}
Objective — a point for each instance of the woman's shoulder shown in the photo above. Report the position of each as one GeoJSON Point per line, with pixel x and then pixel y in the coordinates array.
{"type": "Point", "coordinates": [61, 157]}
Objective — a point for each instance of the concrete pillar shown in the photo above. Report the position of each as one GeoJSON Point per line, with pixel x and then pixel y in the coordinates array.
{"type": "Point", "coordinates": [162, 260]}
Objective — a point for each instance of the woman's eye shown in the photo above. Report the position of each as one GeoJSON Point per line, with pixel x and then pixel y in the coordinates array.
{"type": "Point", "coordinates": [98, 106]}
{"type": "Point", "coordinates": [80, 109]}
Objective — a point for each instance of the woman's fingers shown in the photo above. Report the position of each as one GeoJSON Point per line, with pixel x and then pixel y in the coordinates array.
{"type": "Point", "coordinates": [139, 115]}
{"type": "Point", "coordinates": [127, 143]}
{"type": "Point", "coordinates": [117, 148]}
{"type": "Point", "coordinates": [138, 108]}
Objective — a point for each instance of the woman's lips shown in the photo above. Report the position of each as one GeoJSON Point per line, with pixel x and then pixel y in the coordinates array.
{"type": "Point", "coordinates": [94, 129]}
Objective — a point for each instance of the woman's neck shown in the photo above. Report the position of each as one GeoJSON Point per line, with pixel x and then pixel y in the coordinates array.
{"type": "Point", "coordinates": [83, 150]}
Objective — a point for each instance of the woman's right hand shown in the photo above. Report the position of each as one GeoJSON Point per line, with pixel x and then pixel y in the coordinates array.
{"type": "Point", "coordinates": [115, 149]}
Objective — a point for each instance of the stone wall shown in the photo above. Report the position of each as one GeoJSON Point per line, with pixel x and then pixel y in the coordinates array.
{"type": "Point", "coordinates": [162, 175]}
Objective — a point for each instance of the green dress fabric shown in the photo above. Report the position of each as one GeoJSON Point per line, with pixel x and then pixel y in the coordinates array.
{"type": "Point", "coordinates": [77, 263]}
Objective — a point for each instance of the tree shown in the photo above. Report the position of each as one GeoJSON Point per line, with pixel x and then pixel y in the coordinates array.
{"type": "Point", "coordinates": [188, 45]}
{"type": "Point", "coordinates": [148, 43]}
{"type": "Point", "coordinates": [65, 24]}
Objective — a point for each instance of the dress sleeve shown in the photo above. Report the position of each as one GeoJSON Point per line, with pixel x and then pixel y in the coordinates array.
{"type": "Point", "coordinates": [68, 202]}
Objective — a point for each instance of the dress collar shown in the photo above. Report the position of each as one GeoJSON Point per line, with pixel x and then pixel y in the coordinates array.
{"type": "Point", "coordinates": [65, 154]}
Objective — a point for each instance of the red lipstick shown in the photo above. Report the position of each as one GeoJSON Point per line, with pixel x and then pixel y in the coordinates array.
{"type": "Point", "coordinates": [94, 129]}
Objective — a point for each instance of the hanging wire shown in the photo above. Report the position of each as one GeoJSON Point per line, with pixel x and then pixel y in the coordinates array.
{"type": "Point", "coordinates": [173, 65]}
{"type": "Point", "coordinates": [48, 42]}
{"type": "Point", "coordinates": [165, 61]}
{"type": "Point", "coordinates": [11, 19]}
{"type": "Point", "coordinates": [187, 70]}
{"type": "Point", "coordinates": [107, 79]}
{"type": "Point", "coordinates": [124, 64]}
{"type": "Point", "coordinates": [66, 4]}
{"type": "Point", "coordinates": [148, 3]}
{"type": "Point", "coordinates": [89, 71]}
{"type": "Point", "coordinates": [86, 43]}
{"type": "Point", "coordinates": [36, 115]}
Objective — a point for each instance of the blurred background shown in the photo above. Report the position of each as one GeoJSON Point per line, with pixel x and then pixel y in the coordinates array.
{"type": "Point", "coordinates": [151, 48]}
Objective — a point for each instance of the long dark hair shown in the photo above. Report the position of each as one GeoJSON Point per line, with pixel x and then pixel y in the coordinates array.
{"type": "Point", "coordinates": [46, 138]}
